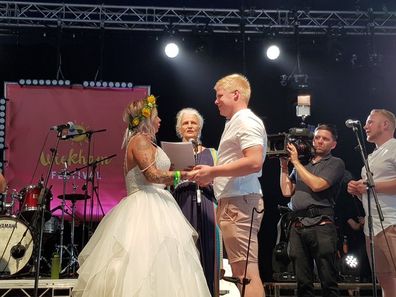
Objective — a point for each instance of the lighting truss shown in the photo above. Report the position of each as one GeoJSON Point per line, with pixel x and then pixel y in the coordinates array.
{"type": "Point", "coordinates": [138, 18]}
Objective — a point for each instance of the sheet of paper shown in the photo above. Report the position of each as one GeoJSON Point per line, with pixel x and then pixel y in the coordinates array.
{"type": "Point", "coordinates": [181, 154]}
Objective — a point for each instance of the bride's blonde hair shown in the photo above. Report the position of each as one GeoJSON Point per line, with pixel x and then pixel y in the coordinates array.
{"type": "Point", "coordinates": [139, 115]}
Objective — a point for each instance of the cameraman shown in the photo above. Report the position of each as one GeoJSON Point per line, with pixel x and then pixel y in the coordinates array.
{"type": "Point", "coordinates": [313, 189]}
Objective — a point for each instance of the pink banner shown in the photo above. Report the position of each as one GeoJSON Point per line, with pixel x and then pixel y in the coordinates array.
{"type": "Point", "coordinates": [31, 111]}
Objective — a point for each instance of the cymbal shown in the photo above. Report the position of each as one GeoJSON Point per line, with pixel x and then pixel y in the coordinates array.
{"type": "Point", "coordinates": [74, 197]}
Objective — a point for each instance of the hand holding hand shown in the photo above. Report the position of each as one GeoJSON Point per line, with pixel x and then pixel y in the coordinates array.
{"type": "Point", "coordinates": [203, 175]}
{"type": "Point", "coordinates": [357, 187]}
{"type": "Point", "coordinates": [189, 174]}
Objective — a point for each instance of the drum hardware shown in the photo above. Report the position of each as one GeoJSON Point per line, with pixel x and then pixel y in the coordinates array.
{"type": "Point", "coordinates": [8, 205]}
{"type": "Point", "coordinates": [71, 249]}
{"type": "Point", "coordinates": [88, 135]}
{"type": "Point", "coordinates": [65, 176]}
{"type": "Point", "coordinates": [90, 178]}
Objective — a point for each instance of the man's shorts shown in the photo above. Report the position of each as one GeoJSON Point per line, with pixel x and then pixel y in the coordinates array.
{"type": "Point", "coordinates": [234, 216]}
{"type": "Point", "coordinates": [383, 259]}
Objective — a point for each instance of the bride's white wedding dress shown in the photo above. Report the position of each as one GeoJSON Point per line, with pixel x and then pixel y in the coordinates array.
{"type": "Point", "coordinates": [143, 247]}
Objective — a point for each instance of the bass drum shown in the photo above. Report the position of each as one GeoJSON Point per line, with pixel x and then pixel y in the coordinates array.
{"type": "Point", "coordinates": [16, 245]}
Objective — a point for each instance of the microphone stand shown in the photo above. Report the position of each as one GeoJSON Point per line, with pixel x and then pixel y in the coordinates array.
{"type": "Point", "coordinates": [370, 190]}
{"type": "Point", "coordinates": [93, 164]}
{"type": "Point", "coordinates": [94, 192]}
{"type": "Point", "coordinates": [85, 187]}
{"type": "Point", "coordinates": [195, 147]}
{"type": "Point", "coordinates": [89, 136]}
{"type": "Point", "coordinates": [244, 281]}
{"type": "Point", "coordinates": [41, 208]}
{"type": "Point", "coordinates": [62, 226]}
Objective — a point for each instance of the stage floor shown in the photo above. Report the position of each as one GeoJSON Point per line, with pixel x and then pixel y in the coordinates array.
{"type": "Point", "coordinates": [288, 289]}
{"type": "Point", "coordinates": [63, 288]}
{"type": "Point", "coordinates": [46, 287]}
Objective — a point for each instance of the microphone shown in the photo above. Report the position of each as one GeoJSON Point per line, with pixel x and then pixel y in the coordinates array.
{"type": "Point", "coordinates": [18, 251]}
{"type": "Point", "coordinates": [352, 123]}
{"type": "Point", "coordinates": [69, 125]}
{"type": "Point", "coordinates": [71, 133]}
{"type": "Point", "coordinates": [194, 143]}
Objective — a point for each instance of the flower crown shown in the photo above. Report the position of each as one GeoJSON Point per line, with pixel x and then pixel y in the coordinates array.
{"type": "Point", "coordinates": [144, 113]}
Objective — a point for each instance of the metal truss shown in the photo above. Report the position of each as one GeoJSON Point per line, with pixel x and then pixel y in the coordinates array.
{"type": "Point", "coordinates": [220, 21]}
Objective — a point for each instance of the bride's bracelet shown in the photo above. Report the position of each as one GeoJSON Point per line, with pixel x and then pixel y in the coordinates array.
{"type": "Point", "coordinates": [176, 178]}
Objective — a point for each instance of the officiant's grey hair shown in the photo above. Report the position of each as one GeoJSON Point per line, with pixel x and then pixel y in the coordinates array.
{"type": "Point", "coordinates": [190, 111]}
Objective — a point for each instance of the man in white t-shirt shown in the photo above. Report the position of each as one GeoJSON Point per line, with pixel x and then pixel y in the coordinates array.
{"type": "Point", "coordinates": [380, 129]}
{"type": "Point", "coordinates": [241, 154]}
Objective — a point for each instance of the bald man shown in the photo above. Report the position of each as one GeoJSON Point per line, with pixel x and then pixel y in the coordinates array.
{"type": "Point", "coordinates": [380, 129]}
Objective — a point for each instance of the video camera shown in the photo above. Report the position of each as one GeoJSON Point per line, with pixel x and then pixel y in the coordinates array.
{"type": "Point", "coordinates": [301, 138]}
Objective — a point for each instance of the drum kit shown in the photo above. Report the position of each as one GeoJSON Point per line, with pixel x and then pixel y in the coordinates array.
{"type": "Point", "coordinates": [28, 228]}
{"type": "Point", "coordinates": [19, 232]}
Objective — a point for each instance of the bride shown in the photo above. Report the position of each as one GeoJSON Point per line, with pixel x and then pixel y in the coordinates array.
{"type": "Point", "coordinates": [144, 247]}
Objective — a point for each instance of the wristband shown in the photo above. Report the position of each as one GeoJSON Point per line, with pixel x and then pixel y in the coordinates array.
{"type": "Point", "coordinates": [176, 178]}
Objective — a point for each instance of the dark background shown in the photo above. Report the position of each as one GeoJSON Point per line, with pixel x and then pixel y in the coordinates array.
{"type": "Point", "coordinates": [343, 80]}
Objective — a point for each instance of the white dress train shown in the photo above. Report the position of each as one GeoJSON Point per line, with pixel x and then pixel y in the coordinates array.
{"type": "Point", "coordinates": [143, 247]}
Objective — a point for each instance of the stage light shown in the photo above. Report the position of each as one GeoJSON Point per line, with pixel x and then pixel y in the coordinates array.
{"type": "Point", "coordinates": [43, 82]}
{"type": "Point", "coordinates": [273, 52]}
{"type": "Point", "coordinates": [3, 102]}
{"type": "Point", "coordinates": [350, 268]}
{"type": "Point", "coordinates": [351, 261]}
{"type": "Point", "coordinates": [171, 50]}
{"type": "Point", "coordinates": [106, 84]}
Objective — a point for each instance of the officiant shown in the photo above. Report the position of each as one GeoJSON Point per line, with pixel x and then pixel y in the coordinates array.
{"type": "Point", "coordinates": [199, 204]}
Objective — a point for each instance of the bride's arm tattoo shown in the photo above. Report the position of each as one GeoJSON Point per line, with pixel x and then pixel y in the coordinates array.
{"type": "Point", "coordinates": [144, 154]}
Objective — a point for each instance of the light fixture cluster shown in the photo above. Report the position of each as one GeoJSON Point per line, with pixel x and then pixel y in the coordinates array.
{"type": "Point", "coordinates": [107, 84]}
{"type": "Point", "coordinates": [44, 82]}
{"type": "Point", "coordinates": [2, 124]}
